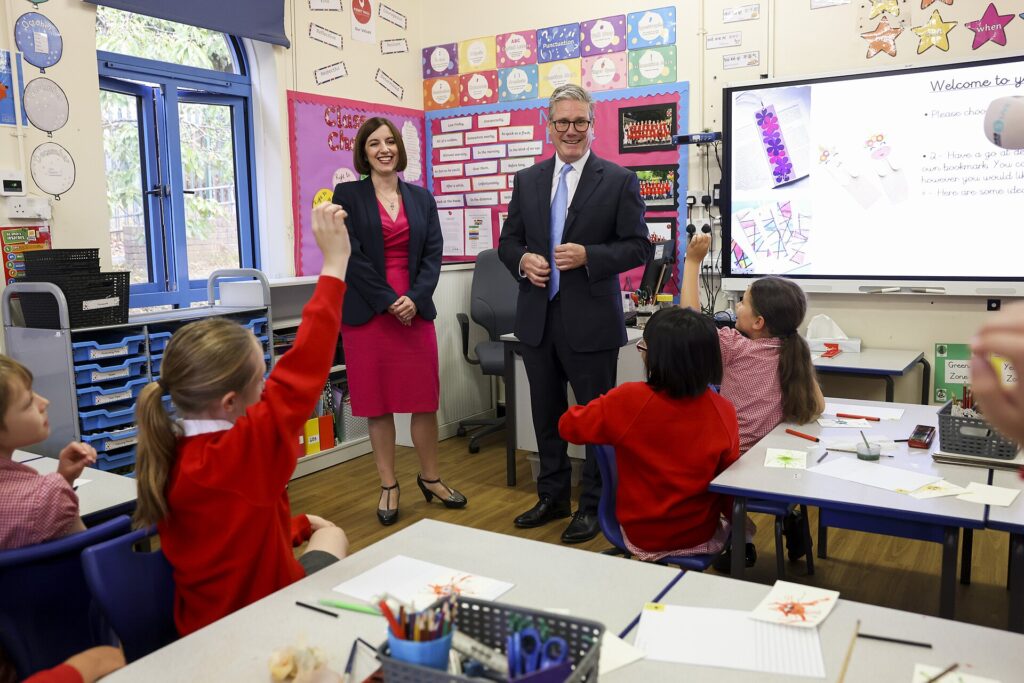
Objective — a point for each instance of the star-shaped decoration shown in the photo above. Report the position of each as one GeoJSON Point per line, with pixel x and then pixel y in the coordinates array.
{"type": "Point", "coordinates": [934, 33]}
{"type": "Point", "coordinates": [879, 6]}
{"type": "Point", "coordinates": [882, 39]}
{"type": "Point", "coordinates": [991, 26]}
{"type": "Point", "coordinates": [925, 4]}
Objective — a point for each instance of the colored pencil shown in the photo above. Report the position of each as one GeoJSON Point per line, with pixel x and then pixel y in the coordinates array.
{"type": "Point", "coordinates": [850, 416]}
{"type": "Point", "coordinates": [316, 609]}
{"type": "Point", "coordinates": [893, 640]}
{"type": "Point", "coordinates": [823, 456]}
{"type": "Point", "coordinates": [942, 674]}
{"type": "Point", "coordinates": [849, 653]}
{"type": "Point", "coordinates": [802, 435]}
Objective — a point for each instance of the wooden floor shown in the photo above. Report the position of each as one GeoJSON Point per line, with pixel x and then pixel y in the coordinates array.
{"type": "Point", "coordinates": [881, 570]}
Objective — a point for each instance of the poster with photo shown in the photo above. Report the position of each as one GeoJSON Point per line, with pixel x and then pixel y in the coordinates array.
{"type": "Point", "coordinates": [659, 186]}
{"type": "Point", "coordinates": [647, 128]}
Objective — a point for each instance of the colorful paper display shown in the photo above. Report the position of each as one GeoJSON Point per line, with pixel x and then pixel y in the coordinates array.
{"type": "Point", "coordinates": [518, 83]}
{"type": "Point", "coordinates": [557, 43]}
{"type": "Point", "coordinates": [478, 88]}
{"type": "Point", "coordinates": [440, 60]}
{"type": "Point", "coordinates": [652, 65]}
{"type": "Point", "coordinates": [651, 28]}
{"type": "Point", "coordinates": [517, 48]}
{"type": "Point", "coordinates": [602, 36]}
{"type": "Point", "coordinates": [477, 54]}
{"type": "Point", "coordinates": [605, 72]}
{"type": "Point", "coordinates": [555, 74]}
{"type": "Point", "coordinates": [441, 93]}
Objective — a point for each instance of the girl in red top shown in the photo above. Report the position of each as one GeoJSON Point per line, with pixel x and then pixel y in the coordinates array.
{"type": "Point", "coordinates": [214, 484]}
{"type": "Point", "coordinates": [662, 501]}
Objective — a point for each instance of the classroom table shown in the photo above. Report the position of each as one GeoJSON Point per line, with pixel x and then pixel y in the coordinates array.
{"type": "Point", "coordinates": [883, 363]}
{"type": "Point", "coordinates": [978, 650]}
{"type": "Point", "coordinates": [1011, 519]}
{"type": "Point", "coordinates": [105, 495]}
{"type": "Point", "coordinates": [25, 456]}
{"type": "Point", "coordinates": [607, 589]}
{"type": "Point", "coordinates": [520, 431]}
{"type": "Point", "coordinates": [864, 508]}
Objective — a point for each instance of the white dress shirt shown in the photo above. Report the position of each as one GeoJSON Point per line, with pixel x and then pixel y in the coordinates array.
{"type": "Point", "coordinates": [572, 181]}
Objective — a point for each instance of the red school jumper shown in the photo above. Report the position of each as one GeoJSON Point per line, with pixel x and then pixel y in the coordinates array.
{"type": "Point", "coordinates": [667, 451]}
{"type": "Point", "coordinates": [229, 531]}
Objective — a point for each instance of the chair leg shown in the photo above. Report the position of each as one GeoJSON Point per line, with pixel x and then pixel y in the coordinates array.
{"type": "Point", "coordinates": [1009, 565]}
{"type": "Point", "coordinates": [822, 538]}
{"type": "Point", "coordinates": [474, 442]}
{"type": "Point", "coordinates": [780, 559]}
{"type": "Point", "coordinates": [966, 551]}
{"type": "Point", "coordinates": [806, 529]}
{"type": "Point", "coordinates": [615, 552]}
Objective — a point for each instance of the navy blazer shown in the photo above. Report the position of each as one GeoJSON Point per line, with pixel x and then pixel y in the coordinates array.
{"type": "Point", "coordinates": [368, 292]}
{"type": "Point", "coordinates": [607, 217]}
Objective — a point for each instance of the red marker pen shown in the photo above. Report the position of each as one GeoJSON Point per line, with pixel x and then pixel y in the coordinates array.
{"type": "Point", "coordinates": [802, 435]}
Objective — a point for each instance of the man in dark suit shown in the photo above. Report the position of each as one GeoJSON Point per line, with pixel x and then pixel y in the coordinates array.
{"type": "Point", "coordinates": [574, 223]}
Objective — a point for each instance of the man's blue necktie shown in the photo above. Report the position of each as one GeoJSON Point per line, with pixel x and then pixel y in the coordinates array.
{"type": "Point", "coordinates": [559, 206]}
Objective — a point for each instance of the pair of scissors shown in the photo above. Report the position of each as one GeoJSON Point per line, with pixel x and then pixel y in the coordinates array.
{"type": "Point", "coordinates": [529, 653]}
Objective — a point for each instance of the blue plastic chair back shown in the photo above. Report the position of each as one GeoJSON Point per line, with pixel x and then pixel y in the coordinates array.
{"type": "Point", "coordinates": [609, 521]}
{"type": "Point", "coordinates": [46, 611]}
{"type": "Point", "coordinates": [135, 590]}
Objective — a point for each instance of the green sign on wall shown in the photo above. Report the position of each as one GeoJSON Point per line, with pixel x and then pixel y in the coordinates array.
{"type": "Point", "coordinates": [952, 371]}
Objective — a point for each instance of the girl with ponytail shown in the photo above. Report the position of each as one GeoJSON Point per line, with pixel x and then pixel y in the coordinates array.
{"type": "Point", "coordinates": [214, 481]}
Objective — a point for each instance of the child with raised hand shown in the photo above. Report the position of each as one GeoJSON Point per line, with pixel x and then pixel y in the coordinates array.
{"type": "Point", "coordinates": [672, 435]}
{"type": "Point", "coordinates": [33, 507]}
{"type": "Point", "coordinates": [1003, 406]}
{"type": "Point", "coordinates": [767, 370]}
{"type": "Point", "coordinates": [214, 483]}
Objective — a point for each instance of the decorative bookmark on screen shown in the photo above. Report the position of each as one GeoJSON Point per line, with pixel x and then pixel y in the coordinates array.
{"type": "Point", "coordinates": [774, 144]}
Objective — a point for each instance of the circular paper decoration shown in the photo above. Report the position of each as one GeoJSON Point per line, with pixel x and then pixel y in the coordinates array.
{"type": "Point", "coordinates": [46, 105]}
{"type": "Point", "coordinates": [38, 39]}
{"type": "Point", "coordinates": [53, 169]}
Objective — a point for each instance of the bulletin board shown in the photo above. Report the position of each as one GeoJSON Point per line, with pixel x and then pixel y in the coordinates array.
{"type": "Point", "coordinates": [322, 131]}
{"type": "Point", "coordinates": [474, 153]}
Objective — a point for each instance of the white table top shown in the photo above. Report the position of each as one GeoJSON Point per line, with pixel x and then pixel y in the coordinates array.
{"type": "Point", "coordinates": [871, 361]}
{"type": "Point", "coordinates": [104, 490]}
{"type": "Point", "coordinates": [25, 456]}
{"type": "Point", "coordinates": [987, 652]}
{"type": "Point", "coordinates": [749, 477]}
{"type": "Point", "coordinates": [1009, 518]}
{"type": "Point", "coordinates": [608, 589]}
{"type": "Point", "coordinates": [633, 335]}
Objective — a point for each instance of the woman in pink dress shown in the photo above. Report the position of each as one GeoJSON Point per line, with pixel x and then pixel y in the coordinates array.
{"type": "Point", "coordinates": [388, 316]}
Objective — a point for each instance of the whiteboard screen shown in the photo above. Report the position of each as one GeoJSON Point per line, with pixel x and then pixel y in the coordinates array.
{"type": "Point", "coordinates": [882, 176]}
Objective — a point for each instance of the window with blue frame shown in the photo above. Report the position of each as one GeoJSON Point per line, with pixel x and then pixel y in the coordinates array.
{"type": "Point", "coordinates": [176, 107]}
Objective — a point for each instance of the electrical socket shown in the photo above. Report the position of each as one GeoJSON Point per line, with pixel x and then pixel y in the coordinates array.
{"type": "Point", "coordinates": [993, 304]}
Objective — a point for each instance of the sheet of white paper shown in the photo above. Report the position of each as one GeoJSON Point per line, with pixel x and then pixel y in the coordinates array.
{"type": "Point", "coordinates": [452, 231]}
{"type": "Point", "coordinates": [937, 490]}
{"type": "Point", "coordinates": [794, 604]}
{"type": "Point", "coordinates": [988, 495]}
{"type": "Point", "coordinates": [888, 446]}
{"type": "Point", "coordinates": [925, 672]}
{"type": "Point", "coordinates": [81, 482]}
{"type": "Point", "coordinates": [783, 457]}
{"type": "Point", "coordinates": [874, 474]}
{"type": "Point", "coordinates": [479, 231]}
{"type": "Point", "coordinates": [728, 639]}
{"type": "Point", "coordinates": [616, 653]}
{"type": "Point", "coordinates": [869, 411]}
{"type": "Point", "coordinates": [419, 583]}
{"type": "Point", "coordinates": [844, 422]}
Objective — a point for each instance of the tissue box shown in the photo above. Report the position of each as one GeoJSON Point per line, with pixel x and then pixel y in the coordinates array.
{"type": "Point", "coordinates": [851, 345]}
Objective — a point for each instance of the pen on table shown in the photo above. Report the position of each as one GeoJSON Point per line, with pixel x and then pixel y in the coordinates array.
{"type": "Point", "coordinates": [338, 604]}
{"type": "Point", "coordinates": [849, 653]}
{"type": "Point", "coordinates": [948, 670]}
{"type": "Point", "coordinates": [900, 440]}
{"type": "Point", "coordinates": [802, 435]}
{"type": "Point", "coordinates": [316, 609]}
{"type": "Point", "coordinates": [887, 639]}
{"type": "Point", "coordinates": [850, 416]}
{"type": "Point", "coordinates": [823, 456]}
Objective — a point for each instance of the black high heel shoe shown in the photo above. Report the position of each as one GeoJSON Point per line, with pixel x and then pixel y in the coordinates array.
{"type": "Point", "coordinates": [454, 499]}
{"type": "Point", "coordinates": [389, 516]}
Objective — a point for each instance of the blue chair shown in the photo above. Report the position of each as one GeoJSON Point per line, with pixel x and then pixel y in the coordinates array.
{"type": "Point", "coordinates": [135, 590]}
{"type": "Point", "coordinates": [779, 510]}
{"type": "Point", "coordinates": [609, 521]}
{"type": "Point", "coordinates": [46, 611]}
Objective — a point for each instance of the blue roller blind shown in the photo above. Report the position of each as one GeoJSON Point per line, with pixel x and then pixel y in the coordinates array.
{"type": "Point", "coordinates": [256, 19]}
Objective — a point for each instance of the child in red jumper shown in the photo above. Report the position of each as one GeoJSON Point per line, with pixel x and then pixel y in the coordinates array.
{"type": "Point", "coordinates": [672, 435]}
{"type": "Point", "coordinates": [215, 483]}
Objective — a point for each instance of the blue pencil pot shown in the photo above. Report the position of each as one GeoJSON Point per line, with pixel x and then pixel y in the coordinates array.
{"type": "Point", "coordinates": [430, 653]}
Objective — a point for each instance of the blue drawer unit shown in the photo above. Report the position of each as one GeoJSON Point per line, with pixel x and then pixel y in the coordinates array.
{"type": "Point", "coordinates": [107, 346]}
{"type": "Point", "coordinates": [258, 326]}
{"type": "Point", "coordinates": [103, 419]}
{"type": "Point", "coordinates": [158, 341]}
{"type": "Point", "coordinates": [92, 373]}
{"type": "Point", "coordinates": [112, 461]}
{"type": "Point", "coordinates": [97, 396]}
{"type": "Point", "coordinates": [106, 442]}
{"type": "Point", "coordinates": [154, 365]}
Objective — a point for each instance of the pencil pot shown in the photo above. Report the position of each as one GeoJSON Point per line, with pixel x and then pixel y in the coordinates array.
{"type": "Point", "coordinates": [971, 436]}
{"type": "Point", "coordinates": [428, 653]}
{"type": "Point", "coordinates": [491, 623]}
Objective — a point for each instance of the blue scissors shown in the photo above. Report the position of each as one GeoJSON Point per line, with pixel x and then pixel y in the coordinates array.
{"type": "Point", "coordinates": [529, 653]}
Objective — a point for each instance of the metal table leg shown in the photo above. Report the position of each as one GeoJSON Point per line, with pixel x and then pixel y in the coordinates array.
{"type": "Point", "coordinates": [925, 381]}
{"type": "Point", "coordinates": [510, 414]}
{"type": "Point", "coordinates": [947, 592]}
{"type": "Point", "coordinates": [739, 530]}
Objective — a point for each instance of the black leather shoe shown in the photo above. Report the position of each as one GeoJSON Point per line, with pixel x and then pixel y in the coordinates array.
{"type": "Point", "coordinates": [543, 512]}
{"type": "Point", "coordinates": [583, 527]}
{"type": "Point", "coordinates": [453, 500]}
{"type": "Point", "coordinates": [390, 515]}
{"type": "Point", "coordinates": [723, 563]}
{"type": "Point", "coordinates": [793, 530]}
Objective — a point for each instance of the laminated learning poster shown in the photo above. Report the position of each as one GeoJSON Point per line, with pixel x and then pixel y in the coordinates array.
{"type": "Point", "coordinates": [322, 131]}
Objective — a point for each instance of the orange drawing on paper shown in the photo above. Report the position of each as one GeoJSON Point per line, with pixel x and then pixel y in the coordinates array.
{"type": "Point", "coordinates": [794, 610]}
{"type": "Point", "coordinates": [457, 586]}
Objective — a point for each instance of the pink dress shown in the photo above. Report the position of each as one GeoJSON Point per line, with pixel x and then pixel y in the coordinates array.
{"type": "Point", "coordinates": [392, 368]}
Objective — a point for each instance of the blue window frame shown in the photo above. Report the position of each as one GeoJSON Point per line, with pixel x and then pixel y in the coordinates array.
{"type": "Point", "coordinates": [166, 97]}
